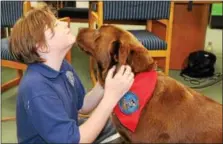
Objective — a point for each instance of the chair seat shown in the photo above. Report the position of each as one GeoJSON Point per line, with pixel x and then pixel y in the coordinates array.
{"type": "Point", "coordinates": [5, 54]}
{"type": "Point", "coordinates": [72, 12]}
{"type": "Point", "coordinates": [149, 40]}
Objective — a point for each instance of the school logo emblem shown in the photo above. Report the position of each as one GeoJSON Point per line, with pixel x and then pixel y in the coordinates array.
{"type": "Point", "coordinates": [129, 103]}
{"type": "Point", "coordinates": [70, 77]}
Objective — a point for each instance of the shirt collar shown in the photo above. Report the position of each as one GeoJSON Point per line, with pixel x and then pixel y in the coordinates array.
{"type": "Point", "coordinates": [46, 70]}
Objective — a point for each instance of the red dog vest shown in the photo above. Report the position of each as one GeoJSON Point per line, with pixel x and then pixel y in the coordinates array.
{"type": "Point", "coordinates": [129, 108]}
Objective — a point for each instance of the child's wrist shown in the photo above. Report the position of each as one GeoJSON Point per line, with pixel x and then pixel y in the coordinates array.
{"type": "Point", "coordinates": [110, 98]}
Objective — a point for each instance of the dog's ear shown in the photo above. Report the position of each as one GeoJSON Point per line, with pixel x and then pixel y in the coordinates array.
{"type": "Point", "coordinates": [119, 52]}
{"type": "Point", "coordinates": [134, 55]}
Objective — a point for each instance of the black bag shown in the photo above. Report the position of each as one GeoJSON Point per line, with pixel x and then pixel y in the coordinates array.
{"type": "Point", "coordinates": [200, 64]}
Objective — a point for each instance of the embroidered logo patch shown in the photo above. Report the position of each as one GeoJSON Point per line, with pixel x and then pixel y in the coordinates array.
{"type": "Point", "coordinates": [129, 103]}
{"type": "Point", "coordinates": [70, 77]}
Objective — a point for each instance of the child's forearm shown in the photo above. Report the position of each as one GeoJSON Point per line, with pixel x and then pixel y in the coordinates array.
{"type": "Point", "coordinates": [93, 126]}
{"type": "Point", "coordinates": [92, 99]}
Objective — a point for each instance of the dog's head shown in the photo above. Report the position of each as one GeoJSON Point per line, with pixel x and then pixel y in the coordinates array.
{"type": "Point", "coordinates": [110, 45]}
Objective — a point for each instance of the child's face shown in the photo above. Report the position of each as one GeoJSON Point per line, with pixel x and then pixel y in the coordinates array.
{"type": "Point", "coordinates": [62, 37]}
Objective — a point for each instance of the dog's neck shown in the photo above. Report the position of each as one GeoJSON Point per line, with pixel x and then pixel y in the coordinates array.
{"type": "Point", "coordinates": [139, 62]}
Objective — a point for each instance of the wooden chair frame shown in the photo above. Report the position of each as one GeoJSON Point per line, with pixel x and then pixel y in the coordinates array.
{"type": "Point", "coordinates": [96, 18]}
{"type": "Point", "coordinates": [20, 67]}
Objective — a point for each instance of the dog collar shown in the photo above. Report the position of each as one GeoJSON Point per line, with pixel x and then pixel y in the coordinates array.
{"type": "Point", "coordinates": [130, 106]}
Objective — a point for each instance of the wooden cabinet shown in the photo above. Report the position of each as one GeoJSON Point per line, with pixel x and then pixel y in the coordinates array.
{"type": "Point", "coordinates": [189, 31]}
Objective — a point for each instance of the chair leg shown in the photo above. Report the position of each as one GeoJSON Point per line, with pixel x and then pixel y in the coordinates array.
{"type": "Point", "coordinates": [8, 85]}
{"type": "Point", "coordinates": [19, 73]}
{"type": "Point", "coordinates": [8, 119]}
{"type": "Point", "coordinates": [13, 82]}
{"type": "Point", "coordinates": [167, 65]}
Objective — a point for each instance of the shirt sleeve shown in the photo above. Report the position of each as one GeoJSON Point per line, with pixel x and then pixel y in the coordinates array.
{"type": "Point", "coordinates": [51, 121]}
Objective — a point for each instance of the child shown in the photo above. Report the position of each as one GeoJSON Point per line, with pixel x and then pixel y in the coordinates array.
{"type": "Point", "coordinates": [50, 94]}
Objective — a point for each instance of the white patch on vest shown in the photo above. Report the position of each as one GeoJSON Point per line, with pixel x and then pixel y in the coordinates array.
{"type": "Point", "coordinates": [70, 77]}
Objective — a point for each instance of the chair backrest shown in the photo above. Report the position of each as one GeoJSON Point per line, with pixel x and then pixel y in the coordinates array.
{"type": "Point", "coordinates": [136, 10]}
{"type": "Point", "coordinates": [11, 11]}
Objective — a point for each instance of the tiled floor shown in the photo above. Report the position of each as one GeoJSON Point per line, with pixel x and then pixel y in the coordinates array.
{"type": "Point", "coordinates": [81, 64]}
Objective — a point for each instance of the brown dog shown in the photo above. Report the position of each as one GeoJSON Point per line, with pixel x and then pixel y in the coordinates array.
{"type": "Point", "coordinates": [175, 113]}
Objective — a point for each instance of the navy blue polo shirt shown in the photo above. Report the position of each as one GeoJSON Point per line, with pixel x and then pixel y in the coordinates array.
{"type": "Point", "coordinates": [47, 105]}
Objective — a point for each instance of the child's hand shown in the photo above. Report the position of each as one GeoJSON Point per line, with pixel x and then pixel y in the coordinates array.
{"type": "Point", "coordinates": [117, 86]}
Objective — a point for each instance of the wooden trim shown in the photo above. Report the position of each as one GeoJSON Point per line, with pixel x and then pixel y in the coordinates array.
{"type": "Point", "coordinates": [128, 22]}
{"type": "Point", "coordinates": [169, 38]}
{"type": "Point", "coordinates": [13, 64]}
{"type": "Point", "coordinates": [94, 15]}
{"type": "Point", "coordinates": [149, 25]}
{"type": "Point", "coordinates": [100, 13]}
{"type": "Point", "coordinates": [163, 21]}
{"type": "Point", "coordinates": [7, 31]}
{"type": "Point", "coordinates": [19, 73]}
{"type": "Point", "coordinates": [90, 16]}
{"type": "Point", "coordinates": [8, 119]}
{"type": "Point", "coordinates": [169, 26]}
{"type": "Point", "coordinates": [10, 84]}
{"type": "Point", "coordinates": [157, 53]}
{"type": "Point", "coordinates": [26, 7]}
{"type": "Point", "coordinates": [91, 21]}
{"type": "Point", "coordinates": [199, 2]}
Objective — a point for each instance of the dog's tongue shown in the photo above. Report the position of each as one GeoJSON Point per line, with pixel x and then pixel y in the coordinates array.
{"type": "Point", "coordinates": [129, 108]}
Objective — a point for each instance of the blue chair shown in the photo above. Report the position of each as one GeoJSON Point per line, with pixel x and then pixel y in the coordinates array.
{"type": "Point", "coordinates": [126, 12]}
{"type": "Point", "coordinates": [11, 11]}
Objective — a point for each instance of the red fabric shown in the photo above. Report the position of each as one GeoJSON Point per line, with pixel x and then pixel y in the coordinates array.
{"type": "Point", "coordinates": [143, 87]}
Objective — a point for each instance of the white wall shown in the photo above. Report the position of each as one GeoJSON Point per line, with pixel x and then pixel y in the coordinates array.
{"type": "Point", "coordinates": [83, 4]}
{"type": "Point", "coordinates": [215, 36]}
